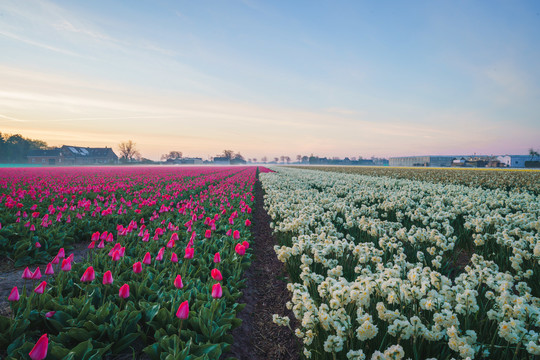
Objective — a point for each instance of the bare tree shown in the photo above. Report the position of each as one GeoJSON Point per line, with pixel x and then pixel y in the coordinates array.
{"type": "Point", "coordinates": [229, 154]}
{"type": "Point", "coordinates": [172, 155]}
{"type": "Point", "coordinates": [533, 153]}
{"type": "Point", "coordinates": [254, 160]}
{"type": "Point", "coordinates": [128, 151]}
{"type": "Point", "coordinates": [282, 158]}
{"type": "Point", "coordinates": [264, 159]}
{"type": "Point", "coordinates": [287, 159]}
{"type": "Point", "coordinates": [276, 159]}
{"type": "Point", "coordinates": [299, 158]}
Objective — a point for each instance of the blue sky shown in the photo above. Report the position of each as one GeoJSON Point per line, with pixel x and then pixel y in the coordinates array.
{"type": "Point", "coordinates": [335, 78]}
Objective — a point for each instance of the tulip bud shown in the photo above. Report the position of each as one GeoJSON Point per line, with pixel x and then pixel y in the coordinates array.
{"type": "Point", "coordinates": [189, 253]}
{"type": "Point", "coordinates": [216, 274]}
{"type": "Point", "coordinates": [137, 267]}
{"type": "Point", "coordinates": [217, 258]}
{"type": "Point", "coordinates": [174, 258]}
{"type": "Point", "coordinates": [107, 278]}
{"type": "Point", "coordinates": [40, 288]}
{"type": "Point", "coordinates": [178, 282]}
{"type": "Point", "coordinates": [39, 351]}
{"type": "Point", "coordinates": [217, 291]}
{"type": "Point", "coordinates": [183, 310]}
{"type": "Point", "coordinates": [49, 270]}
{"type": "Point", "coordinates": [14, 295]}
{"type": "Point", "coordinates": [240, 249]}
{"type": "Point", "coordinates": [124, 291]}
{"type": "Point", "coordinates": [89, 275]}
{"type": "Point", "coordinates": [147, 259]}
{"type": "Point", "coordinates": [236, 235]}
{"type": "Point", "coordinates": [66, 265]}
{"type": "Point", "coordinates": [27, 274]}
{"type": "Point", "coordinates": [37, 274]}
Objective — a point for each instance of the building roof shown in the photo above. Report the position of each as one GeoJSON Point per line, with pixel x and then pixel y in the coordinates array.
{"type": "Point", "coordinates": [78, 151]}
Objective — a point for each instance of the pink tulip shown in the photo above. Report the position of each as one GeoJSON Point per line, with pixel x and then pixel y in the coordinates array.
{"type": "Point", "coordinates": [189, 253]}
{"type": "Point", "coordinates": [89, 275]}
{"type": "Point", "coordinates": [39, 351]}
{"type": "Point", "coordinates": [61, 253]}
{"type": "Point", "coordinates": [124, 291]}
{"type": "Point", "coordinates": [178, 282]}
{"type": "Point", "coordinates": [110, 238]}
{"type": "Point", "coordinates": [159, 256]}
{"type": "Point", "coordinates": [208, 234]}
{"type": "Point", "coordinates": [137, 267]}
{"type": "Point", "coordinates": [183, 310]}
{"type": "Point", "coordinates": [92, 245]}
{"type": "Point", "coordinates": [27, 274]}
{"type": "Point", "coordinates": [216, 274]}
{"type": "Point", "coordinates": [248, 222]}
{"type": "Point", "coordinates": [174, 258]}
{"type": "Point", "coordinates": [240, 249]}
{"type": "Point", "coordinates": [246, 244]}
{"type": "Point", "coordinates": [49, 270]}
{"type": "Point", "coordinates": [147, 259]}
{"type": "Point", "coordinates": [95, 236]}
{"type": "Point", "coordinates": [107, 278]}
{"type": "Point", "coordinates": [14, 295]}
{"type": "Point", "coordinates": [56, 260]}
{"type": "Point", "coordinates": [229, 232]}
{"type": "Point", "coordinates": [217, 258]}
{"type": "Point", "coordinates": [37, 274]}
{"type": "Point", "coordinates": [170, 244]}
{"type": "Point", "coordinates": [40, 288]}
{"type": "Point", "coordinates": [66, 265]}
{"type": "Point", "coordinates": [38, 245]}
{"type": "Point", "coordinates": [236, 235]}
{"type": "Point", "coordinates": [101, 244]}
{"type": "Point", "coordinates": [217, 291]}
{"type": "Point", "coordinates": [116, 255]}
{"type": "Point", "coordinates": [50, 314]}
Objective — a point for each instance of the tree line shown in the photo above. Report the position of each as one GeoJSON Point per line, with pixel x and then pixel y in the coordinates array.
{"type": "Point", "coordinates": [14, 148]}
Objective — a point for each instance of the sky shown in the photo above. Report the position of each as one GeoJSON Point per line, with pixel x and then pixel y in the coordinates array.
{"type": "Point", "coordinates": [272, 78]}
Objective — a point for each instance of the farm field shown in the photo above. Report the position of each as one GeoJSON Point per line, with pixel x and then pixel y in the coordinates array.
{"type": "Point", "coordinates": [166, 250]}
{"type": "Point", "coordinates": [488, 178]}
{"type": "Point", "coordinates": [391, 267]}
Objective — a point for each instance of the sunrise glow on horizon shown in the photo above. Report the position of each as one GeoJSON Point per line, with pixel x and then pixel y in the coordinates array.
{"type": "Point", "coordinates": [272, 78]}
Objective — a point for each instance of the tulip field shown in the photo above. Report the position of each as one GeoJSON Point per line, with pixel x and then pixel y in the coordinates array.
{"type": "Point", "coordinates": [383, 267]}
{"type": "Point", "coordinates": [166, 249]}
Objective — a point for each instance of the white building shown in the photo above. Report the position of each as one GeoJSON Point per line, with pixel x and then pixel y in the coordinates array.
{"type": "Point", "coordinates": [515, 161]}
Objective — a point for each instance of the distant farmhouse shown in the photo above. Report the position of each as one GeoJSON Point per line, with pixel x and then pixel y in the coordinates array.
{"type": "Point", "coordinates": [511, 161]}
{"type": "Point", "coordinates": [73, 155]}
{"type": "Point", "coordinates": [184, 161]}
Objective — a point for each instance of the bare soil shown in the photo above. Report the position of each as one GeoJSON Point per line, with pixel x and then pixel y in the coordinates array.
{"type": "Point", "coordinates": [258, 338]}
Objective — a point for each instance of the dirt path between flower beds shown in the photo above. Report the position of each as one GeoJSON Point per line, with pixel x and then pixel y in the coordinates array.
{"type": "Point", "coordinates": [11, 276]}
{"type": "Point", "coordinates": [265, 294]}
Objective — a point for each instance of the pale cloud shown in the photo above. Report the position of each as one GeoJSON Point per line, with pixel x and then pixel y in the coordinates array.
{"type": "Point", "coordinates": [38, 44]}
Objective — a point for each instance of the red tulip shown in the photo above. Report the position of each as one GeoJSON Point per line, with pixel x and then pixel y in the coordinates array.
{"type": "Point", "coordinates": [174, 258]}
{"type": "Point", "coordinates": [217, 258]}
{"type": "Point", "coordinates": [147, 259]}
{"type": "Point", "coordinates": [107, 278]}
{"type": "Point", "coordinates": [49, 270]}
{"type": "Point", "coordinates": [248, 222]}
{"type": "Point", "coordinates": [229, 232]}
{"type": "Point", "coordinates": [27, 274]}
{"type": "Point", "coordinates": [89, 275]}
{"type": "Point", "coordinates": [40, 288]}
{"type": "Point", "coordinates": [240, 249]}
{"type": "Point", "coordinates": [217, 291]}
{"type": "Point", "coordinates": [110, 238]}
{"type": "Point", "coordinates": [38, 245]}
{"type": "Point", "coordinates": [66, 265]}
{"type": "Point", "coordinates": [246, 244]}
{"type": "Point", "coordinates": [216, 274]}
{"type": "Point", "coordinates": [50, 314]}
{"type": "Point", "coordinates": [56, 260]}
{"type": "Point", "coordinates": [101, 244]}
{"type": "Point", "coordinates": [39, 351]}
{"type": "Point", "coordinates": [122, 251]}
{"type": "Point", "coordinates": [183, 310]}
{"type": "Point", "coordinates": [37, 274]}
{"type": "Point", "coordinates": [170, 244]}
{"type": "Point", "coordinates": [137, 267]}
{"type": "Point", "coordinates": [236, 235]}
{"type": "Point", "coordinates": [208, 234]}
{"type": "Point", "coordinates": [189, 253]}
{"type": "Point", "coordinates": [178, 282]}
{"type": "Point", "coordinates": [14, 295]}
{"type": "Point", "coordinates": [95, 236]}
{"type": "Point", "coordinates": [92, 245]}
{"type": "Point", "coordinates": [61, 253]}
{"type": "Point", "coordinates": [124, 291]}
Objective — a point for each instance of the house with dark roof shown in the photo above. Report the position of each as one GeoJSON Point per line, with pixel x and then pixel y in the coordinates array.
{"type": "Point", "coordinates": [73, 155]}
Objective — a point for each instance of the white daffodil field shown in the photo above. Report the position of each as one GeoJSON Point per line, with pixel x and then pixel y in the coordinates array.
{"type": "Point", "coordinates": [385, 268]}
